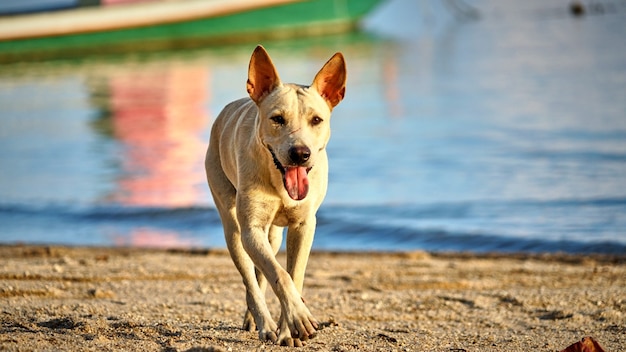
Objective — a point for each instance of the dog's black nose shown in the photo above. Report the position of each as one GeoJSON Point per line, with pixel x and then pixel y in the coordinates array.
{"type": "Point", "coordinates": [299, 154]}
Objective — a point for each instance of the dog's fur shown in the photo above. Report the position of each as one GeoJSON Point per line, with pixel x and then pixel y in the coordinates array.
{"type": "Point", "coordinates": [267, 168]}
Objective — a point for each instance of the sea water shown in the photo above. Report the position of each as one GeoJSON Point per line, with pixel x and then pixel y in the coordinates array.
{"type": "Point", "coordinates": [497, 126]}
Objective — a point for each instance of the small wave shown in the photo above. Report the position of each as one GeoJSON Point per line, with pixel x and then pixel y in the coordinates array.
{"type": "Point", "coordinates": [109, 212]}
{"type": "Point", "coordinates": [578, 156]}
{"type": "Point", "coordinates": [568, 225]}
{"type": "Point", "coordinates": [110, 225]}
{"type": "Point", "coordinates": [345, 235]}
{"type": "Point", "coordinates": [574, 202]}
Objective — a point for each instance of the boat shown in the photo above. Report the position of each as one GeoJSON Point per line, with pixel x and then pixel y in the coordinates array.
{"type": "Point", "coordinates": [174, 24]}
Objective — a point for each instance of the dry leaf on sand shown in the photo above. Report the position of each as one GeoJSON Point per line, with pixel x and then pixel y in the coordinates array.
{"type": "Point", "coordinates": [587, 344]}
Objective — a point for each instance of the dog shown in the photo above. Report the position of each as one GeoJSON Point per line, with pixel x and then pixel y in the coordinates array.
{"type": "Point", "coordinates": [267, 169]}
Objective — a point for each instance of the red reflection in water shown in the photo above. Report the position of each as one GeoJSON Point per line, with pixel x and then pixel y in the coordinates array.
{"type": "Point", "coordinates": [158, 114]}
{"type": "Point", "coordinates": [147, 238]}
{"type": "Point", "coordinates": [392, 91]}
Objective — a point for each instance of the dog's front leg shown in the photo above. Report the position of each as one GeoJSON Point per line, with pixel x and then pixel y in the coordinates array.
{"type": "Point", "coordinates": [299, 242]}
{"type": "Point", "coordinates": [299, 323]}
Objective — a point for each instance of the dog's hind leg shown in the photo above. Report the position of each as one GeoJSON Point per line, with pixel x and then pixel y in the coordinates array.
{"type": "Point", "coordinates": [275, 237]}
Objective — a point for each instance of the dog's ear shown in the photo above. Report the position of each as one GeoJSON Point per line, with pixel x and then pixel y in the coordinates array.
{"type": "Point", "coordinates": [330, 81]}
{"type": "Point", "coordinates": [262, 75]}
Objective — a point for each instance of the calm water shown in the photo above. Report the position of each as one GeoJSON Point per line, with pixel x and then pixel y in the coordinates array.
{"type": "Point", "coordinates": [506, 133]}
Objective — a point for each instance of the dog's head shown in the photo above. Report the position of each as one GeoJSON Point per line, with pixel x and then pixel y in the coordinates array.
{"type": "Point", "coordinates": [294, 120]}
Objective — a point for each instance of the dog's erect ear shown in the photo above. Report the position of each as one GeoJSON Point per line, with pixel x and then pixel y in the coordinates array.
{"type": "Point", "coordinates": [262, 75]}
{"type": "Point", "coordinates": [330, 82]}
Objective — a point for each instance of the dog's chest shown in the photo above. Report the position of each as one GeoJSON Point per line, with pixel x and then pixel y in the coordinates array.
{"type": "Point", "coordinates": [286, 216]}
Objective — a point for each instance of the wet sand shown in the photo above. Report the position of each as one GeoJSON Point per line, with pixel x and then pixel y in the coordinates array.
{"type": "Point", "coordinates": [110, 299]}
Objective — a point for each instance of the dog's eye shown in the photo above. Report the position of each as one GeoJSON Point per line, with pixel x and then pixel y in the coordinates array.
{"type": "Point", "coordinates": [278, 119]}
{"type": "Point", "coordinates": [316, 121]}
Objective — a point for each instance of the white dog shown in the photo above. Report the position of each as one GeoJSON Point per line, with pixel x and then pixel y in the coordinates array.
{"type": "Point", "coordinates": [267, 168]}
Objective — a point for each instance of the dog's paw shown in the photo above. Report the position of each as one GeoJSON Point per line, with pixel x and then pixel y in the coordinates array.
{"type": "Point", "coordinates": [296, 331]}
{"type": "Point", "coordinates": [290, 338]}
{"type": "Point", "coordinates": [267, 330]}
{"type": "Point", "coordinates": [268, 335]}
{"type": "Point", "coordinates": [291, 342]}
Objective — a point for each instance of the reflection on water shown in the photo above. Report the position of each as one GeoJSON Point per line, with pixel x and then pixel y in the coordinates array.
{"type": "Point", "coordinates": [156, 113]}
{"type": "Point", "coordinates": [149, 238]}
{"type": "Point", "coordinates": [506, 133]}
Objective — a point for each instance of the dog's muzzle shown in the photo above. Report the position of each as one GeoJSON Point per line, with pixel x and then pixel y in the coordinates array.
{"type": "Point", "coordinates": [295, 178]}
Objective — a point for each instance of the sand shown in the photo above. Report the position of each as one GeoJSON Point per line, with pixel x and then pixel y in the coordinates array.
{"type": "Point", "coordinates": [108, 299]}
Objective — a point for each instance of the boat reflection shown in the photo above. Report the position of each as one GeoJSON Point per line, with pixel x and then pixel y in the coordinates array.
{"type": "Point", "coordinates": [150, 238]}
{"type": "Point", "coordinates": [155, 116]}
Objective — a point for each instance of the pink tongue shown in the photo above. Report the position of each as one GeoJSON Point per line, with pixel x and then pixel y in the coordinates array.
{"type": "Point", "coordinates": [296, 182]}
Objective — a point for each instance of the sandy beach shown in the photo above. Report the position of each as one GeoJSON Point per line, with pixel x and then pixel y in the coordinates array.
{"type": "Point", "coordinates": [110, 299]}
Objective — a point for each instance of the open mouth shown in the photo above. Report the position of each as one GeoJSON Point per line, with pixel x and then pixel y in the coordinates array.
{"type": "Point", "coordinates": [295, 178]}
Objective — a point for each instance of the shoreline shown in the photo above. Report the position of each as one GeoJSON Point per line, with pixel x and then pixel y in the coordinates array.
{"type": "Point", "coordinates": [107, 298]}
